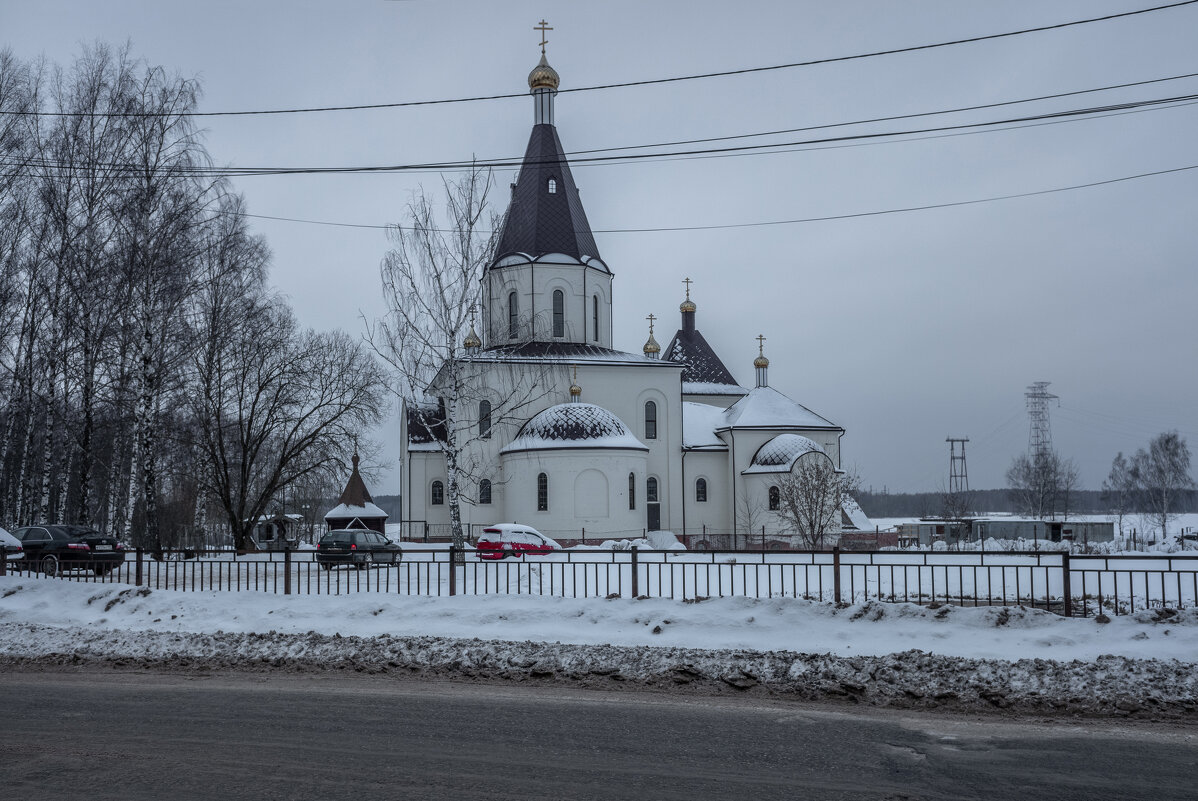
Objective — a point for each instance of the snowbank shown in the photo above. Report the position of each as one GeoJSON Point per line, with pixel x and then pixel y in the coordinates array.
{"type": "Point", "coordinates": [891, 654]}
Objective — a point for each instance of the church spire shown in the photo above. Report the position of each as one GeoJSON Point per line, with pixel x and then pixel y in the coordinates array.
{"type": "Point", "coordinates": [575, 390]}
{"type": "Point", "coordinates": [761, 364]}
{"type": "Point", "coordinates": [652, 349]}
{"type": "Point", "coordinates": [545, 215]}
{"type": "Point", "coordinates": [687, 307]}
{"type": "Point", "coordinates": [543, 82]}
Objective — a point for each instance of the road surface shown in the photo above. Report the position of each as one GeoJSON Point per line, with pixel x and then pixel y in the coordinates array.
{"type": "Point", "coordinates": [141, 735]}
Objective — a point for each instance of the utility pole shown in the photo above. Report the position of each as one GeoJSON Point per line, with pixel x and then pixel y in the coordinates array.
{"type": "Point", "coordinates": [1040, 428]}
{"type": "Point", "coordinates": [958, 473]}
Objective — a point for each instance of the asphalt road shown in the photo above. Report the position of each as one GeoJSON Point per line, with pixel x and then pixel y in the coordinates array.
{"type": "Point", "coordinates": [132, 735]}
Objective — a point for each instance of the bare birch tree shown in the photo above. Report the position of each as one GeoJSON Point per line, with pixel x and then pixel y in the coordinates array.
{"type": "Point", "coordinates": [1041, 485]}
{"type": "Point", "coordinates": [431, 284]}
{"type": "Point", "coordinates": [1119, 489]}
{"type": "Point", "coordinates": [1162, 477]}
{"type": "Point", "coordinates": [812, 496]}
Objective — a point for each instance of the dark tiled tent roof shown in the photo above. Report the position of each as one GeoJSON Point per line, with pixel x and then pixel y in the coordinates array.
{"type": "Point", "coordinates": [355, 493]}
{"type": "Point", "coordinates": [540, 222]}
{"type": "Point", "coordinates": [701, 365]}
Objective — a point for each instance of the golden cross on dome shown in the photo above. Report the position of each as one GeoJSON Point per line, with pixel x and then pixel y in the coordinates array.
{"type": "Point", "coordinates": [650, 318]}
{"type": "Point", "coordinates": [688, 283]}
{"type": "Point", "coordinates": [574, 367]}
{"type": "Point", "coordinates": [760, 345]}
{"type": "Point", "coordinates": [543, 27]}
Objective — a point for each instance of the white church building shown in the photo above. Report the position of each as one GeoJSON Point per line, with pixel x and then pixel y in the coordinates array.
{"type": "Point", "coordinates": [578, 439]}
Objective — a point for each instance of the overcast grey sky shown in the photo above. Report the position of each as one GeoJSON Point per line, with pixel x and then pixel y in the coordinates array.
{"type": "Point", "coordinates": [903, 328]}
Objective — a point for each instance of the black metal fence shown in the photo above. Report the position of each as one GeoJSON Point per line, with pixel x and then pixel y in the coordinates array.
{"type": "Point", "coordinates": [1060, 582]}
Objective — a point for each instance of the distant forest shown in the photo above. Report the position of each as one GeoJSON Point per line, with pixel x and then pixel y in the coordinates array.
{"type": "Point", "coordinates": [928, 504]}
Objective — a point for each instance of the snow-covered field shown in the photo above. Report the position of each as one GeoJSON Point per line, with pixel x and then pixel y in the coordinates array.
{"type": "Point", "coordinates": [881, 653]}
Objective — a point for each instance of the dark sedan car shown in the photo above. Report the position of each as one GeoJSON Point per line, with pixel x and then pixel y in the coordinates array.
{"type": "Point", "coordinates": [52, 549]}
{"type": "Point", "coordinates": [356, 547]}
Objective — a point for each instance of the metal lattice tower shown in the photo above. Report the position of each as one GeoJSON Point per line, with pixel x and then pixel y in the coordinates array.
{"type": "Point", "coordinates": [958, 473]}
{"type": "Point", "coordinates": [1040, 431]}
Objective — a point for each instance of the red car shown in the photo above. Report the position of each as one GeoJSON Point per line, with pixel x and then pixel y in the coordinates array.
{"type": "Point", "coordinates": [511, 539]}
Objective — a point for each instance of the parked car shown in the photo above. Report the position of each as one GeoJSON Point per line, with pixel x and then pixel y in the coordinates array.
{"type": "Point", "coordinates": [53, 549]}
{"type": "Point", "coordinates": [357, 547]}
{"type": "Point", "coordinates": [10, 546]}
{"type": "Point", "coordinates": [513, 539]}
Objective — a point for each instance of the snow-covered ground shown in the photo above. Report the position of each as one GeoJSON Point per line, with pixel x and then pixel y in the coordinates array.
{"type": "Point", "coordinates": [892, 654]}
{"type": "Point", "coordinates": [717, 623]}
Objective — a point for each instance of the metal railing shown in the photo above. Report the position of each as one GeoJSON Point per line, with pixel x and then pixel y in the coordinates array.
{"type": "Point", "coordinates": [1059, 582]}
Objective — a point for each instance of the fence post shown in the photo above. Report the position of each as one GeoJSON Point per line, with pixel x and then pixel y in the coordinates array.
{"type": "Point", "coordinates": [453, 570]}
{"type": "Point", "coordinates": [636, 583]}
{"type": "Point", "coordinates": [287, 570]}
{"type": "Point", "coordinates": [836, 572]}
{"type": "Point", "coordinates": [1065, 584]}
{"type": "Point", "coordinates": [140, 559]}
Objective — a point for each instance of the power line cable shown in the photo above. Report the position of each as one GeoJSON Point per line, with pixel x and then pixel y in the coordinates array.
{"type": "Point", "coordinates": [512, 162]}
{"type": "Point", "coordinates": [892, 118]}
{"type": "Point", "coordinates": [827, 218]}
{"type": "Point", "coordinates": [645, 82]}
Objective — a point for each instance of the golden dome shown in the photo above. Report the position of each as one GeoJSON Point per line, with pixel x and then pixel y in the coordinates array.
{"type": "Point", "coordinates": [651, 346]}
{"type": "Point", "coordinates": [543, 76]}
{"type": "Point", "coordinates": [472, 340]}
{"type": "Point", "coordinates": [687, 305]}
{"type": "Point", "coordinates": [575, 390]}
{"type": "Point", "coordinates": [761, 361]}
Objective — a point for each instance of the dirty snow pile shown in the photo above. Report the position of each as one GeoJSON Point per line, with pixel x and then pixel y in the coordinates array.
{"type": "Point", "coordinates": [884, 654]}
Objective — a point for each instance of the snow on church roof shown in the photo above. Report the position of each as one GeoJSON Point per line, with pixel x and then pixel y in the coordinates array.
{"type": "Point", "coordinates": [766, 407]}
{"type": "Point", "coordinates": [699, 422]}
{"type": "Point", "coordinates": [780, 453]}
{"type": "Point", "coordinates": [574, 425]}
{"type": "Point", "coordinates": [711, 388]}
{"type": "Point", "coordinates": [347, 511]}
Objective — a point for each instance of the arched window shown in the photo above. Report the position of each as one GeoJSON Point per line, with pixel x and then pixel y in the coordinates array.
{"type": "Point", "coordinates": [775, 499]}
{"type": "Point", "coordinates": [552, 186]}
{"type": "Point", "coordinates": [595, 317]}
{"type": "Point", "coordinates": [513, 316]}
{"type": "Point", "coordinates": [484, 419]}
{"type": "Point", "coordinates": [632, 490]}
{"type": "Point", "coordinates": [650, 420]}
{"type": "Point", "coordinates": [651, 490]}
{"type": "Point", "coordinates": [542, 493]}
{"type": "Point", "coordinates": [438, 494]}
{"type": "Point", "coordinates": [484, 492]}
{"type": "Point", "coordinates": [701, 490]}
{"type": "Point", "coordinates": [559, 313]}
